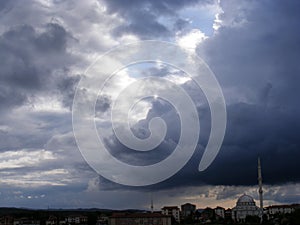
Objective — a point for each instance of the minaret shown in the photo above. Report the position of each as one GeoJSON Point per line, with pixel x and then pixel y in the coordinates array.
{"type": "Point", "coordinates": [260, 190]}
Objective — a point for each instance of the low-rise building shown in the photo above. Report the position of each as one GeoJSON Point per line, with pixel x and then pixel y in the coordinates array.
{"type": "Point", "coordinates": [102, 220]}
{"type": "Point", "coordinates": [228, 214]}
{"type": "Point", "coordinates": [207, 215]}
{"type": "Point", "coordinates": [187, 209]}
{"type": "Point", "coordinates": [281, 209]}
{"type": "Point", "coordinates": [76, 219]}
{"type": "Point", "coordinates": [139, 219]}
{"type": "Point", "coordinates": [52, 220]}
{"type": "Point", "coordinates": [220, 212]}
{"type": "Point", "coordinates": [6, 220]}
{"type": "Point", "coordinates": [172, 211]}
{"type": "Point", "coordinates": [26, 221]}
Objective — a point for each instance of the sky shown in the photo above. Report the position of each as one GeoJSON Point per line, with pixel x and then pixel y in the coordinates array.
{"type": "Point", "coordinates": [46, 47]}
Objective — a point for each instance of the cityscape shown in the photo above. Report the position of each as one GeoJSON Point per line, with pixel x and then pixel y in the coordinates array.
{"type": "Point", "coordinates": [244, 212]}
{"type": "Point", "coordinates": [169, 215]}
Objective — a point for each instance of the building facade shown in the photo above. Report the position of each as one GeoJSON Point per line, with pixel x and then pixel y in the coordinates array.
{"type": "Point", "coordinates": [187, 210]}
{"type": "Point", "coordinates": [172, 211]}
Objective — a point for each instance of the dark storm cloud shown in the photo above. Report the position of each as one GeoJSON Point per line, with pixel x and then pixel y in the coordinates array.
{"type": "Point", "coordinates": [258, 60]}
{"type": "Point", "coordinates": [33, 63]}
{"type": "Point", "coordinates": [254, 131]}
{"type": "Point", "coordinates": [160, 109]}
{"type": "Point", "coordinates": [262, 50]}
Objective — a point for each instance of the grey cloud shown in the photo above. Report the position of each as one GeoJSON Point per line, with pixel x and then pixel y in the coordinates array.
{"type": "Point", "coordinates": [159, 109]}
{"type": "Point", "coordinates": [103, 104]}
{"type": "Point", "coordinates": [252, 131]}
{"type": "Point", "coordinates": [181, 24]}
{"type": "Point", "coordinates": [5, 5]}
{"type": "Point", "coordinates": [142, 17]}
{"type": "Point", "coordinates": [67, 86]}
{"type": "Point", "coordinates": [9, 97]}
{"type": "Point", "coordinates": [148, 28]}
{"type": "Point", "coordinates": [257, 52]}
{"type": "Point", "coordinates": [31, 130]}
{"type": "Point", "coordinates": [53, 39]}
{"type": "Point", "coordinates": [30, 65]}
{"type": "Point", "coordinates": [257, 61]}
{"type": "Point", "coordinates": [165, 6]}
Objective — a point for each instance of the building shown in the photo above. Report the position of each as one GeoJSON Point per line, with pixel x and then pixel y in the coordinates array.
{"type": "Point", "coordinates": [102, 220]}
{"type": "Point", "coordinates": [245, 206]}
{"type": "Point", "coordinates": [281, 209]}
{"type": "Point", "coordinates": [198, 214]}
{"type": "Point", "coordinates": [6, 220]}
{"type": "Point", "coordinates": [76, 219]}
{"type": "Point", "coordinates": [220, 212]}
{"type": "Point", "coordinates": [52, 220]}
{"type": "Point", "coordinates": [187, 210]}
{"type": "Point", "coordinates": [172, 211]}
{"type": "Point", "coordinates": [139, 219]}
{"type": "Point", "coordinates": [207, 215]}
{"type": "Point", "coordinates": [26, 221]}
{"type": "Point", "coordinates": [228, 214]}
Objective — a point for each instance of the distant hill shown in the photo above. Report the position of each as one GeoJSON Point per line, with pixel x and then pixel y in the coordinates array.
{"type": "Point", "coordinates": [20, 211]}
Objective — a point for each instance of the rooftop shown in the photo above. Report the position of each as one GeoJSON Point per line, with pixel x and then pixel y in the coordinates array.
{"type": "Point", "coordinates": [138, 215]}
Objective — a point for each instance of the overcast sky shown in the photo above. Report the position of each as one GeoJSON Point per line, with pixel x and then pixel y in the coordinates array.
{"type": "Point", "coordinates": [252, 47]}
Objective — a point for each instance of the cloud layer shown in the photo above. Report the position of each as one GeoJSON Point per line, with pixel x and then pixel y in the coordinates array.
{"type": "Point", "coordinates": [252, 47]}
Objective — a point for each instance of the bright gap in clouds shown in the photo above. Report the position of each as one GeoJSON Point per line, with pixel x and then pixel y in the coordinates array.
{"type": "Point", "coordinates": [201, 17]}
{"type": "Point", "coordinates": [201, 23]}
{"type": "Point", "coordinates": [123, 78]}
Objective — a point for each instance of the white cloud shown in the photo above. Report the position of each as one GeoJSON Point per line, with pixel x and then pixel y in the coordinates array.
{"type": "Point", "coordinates": [24, 158]}
{"type": "Point", "coordinates": [191, 40]}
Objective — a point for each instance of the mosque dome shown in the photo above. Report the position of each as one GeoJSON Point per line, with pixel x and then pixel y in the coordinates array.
{"type": "Point", "coordinates": [245, 200]}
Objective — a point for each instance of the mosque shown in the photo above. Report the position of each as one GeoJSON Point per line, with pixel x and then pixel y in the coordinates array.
{"type": "Point", "coordinates": [245, 205]}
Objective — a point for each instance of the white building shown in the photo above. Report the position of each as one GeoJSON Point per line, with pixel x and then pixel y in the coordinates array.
{"type": "Point", "coordinates": [245, 206]}
{"type": "Point", "coordinates": [171, 211]}
{"type": "Point", "coordinates": [76, 219]}
{"type": "Point", "coordinates": [281, 209]}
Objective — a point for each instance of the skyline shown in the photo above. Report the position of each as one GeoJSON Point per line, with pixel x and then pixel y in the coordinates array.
{"type": "Point", "coordinates": [46, 47]}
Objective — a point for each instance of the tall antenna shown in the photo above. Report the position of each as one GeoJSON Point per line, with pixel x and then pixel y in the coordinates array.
{"type": "Point", "coordinates": [151, 203]}
{"type": "Point", "coordinates": [260, 190]}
